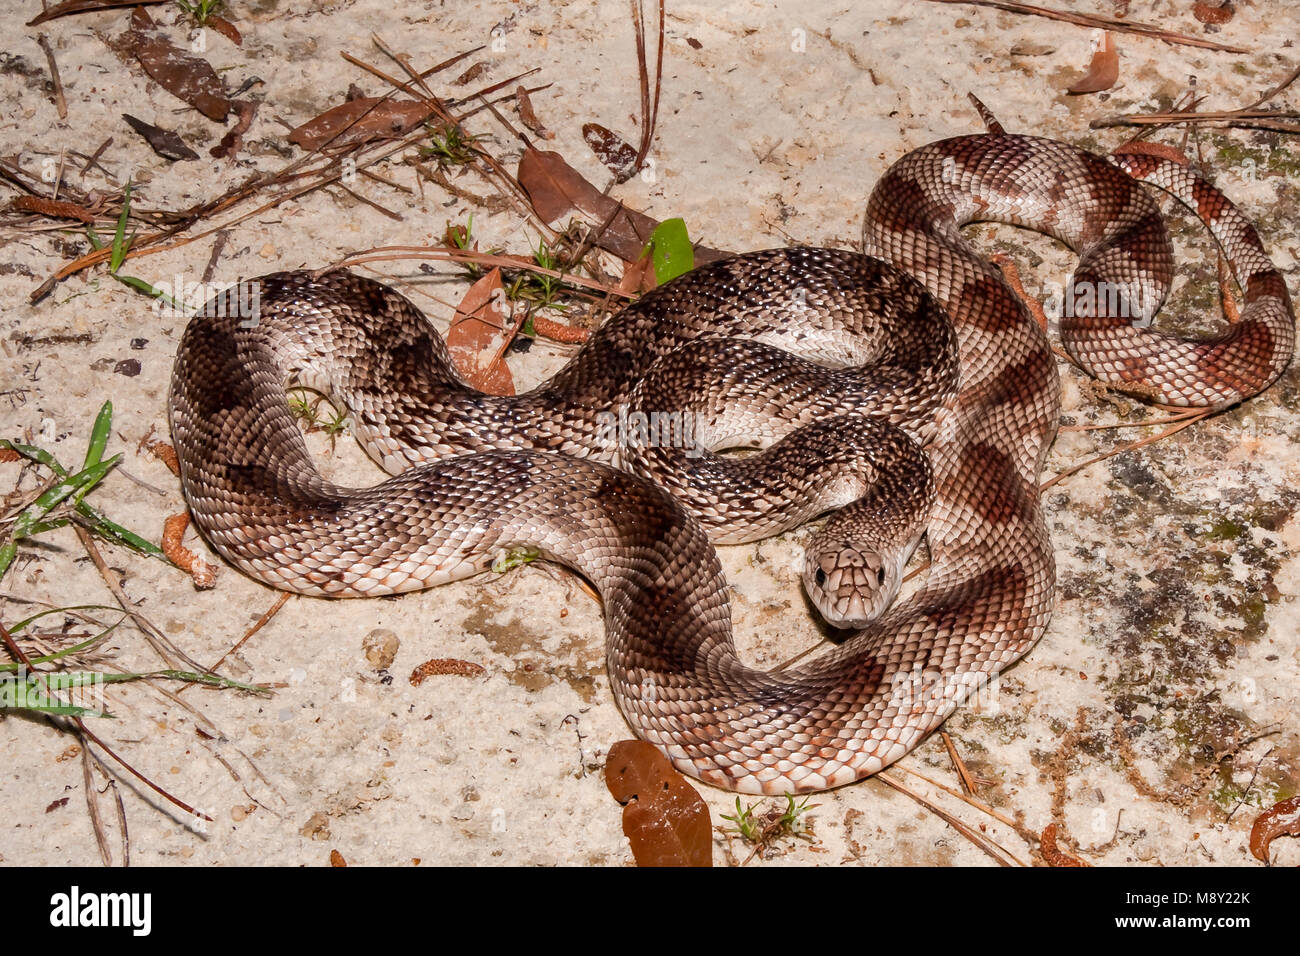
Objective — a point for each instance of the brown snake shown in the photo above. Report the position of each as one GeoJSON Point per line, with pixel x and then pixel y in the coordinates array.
{"type": "Point", "coordinates": [496, 473]}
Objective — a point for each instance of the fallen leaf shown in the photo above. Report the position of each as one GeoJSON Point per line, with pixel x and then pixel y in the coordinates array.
{"type": "Point", "coordinates": [479, 335]}
{"type": "Point", "coordinates": [189, 78]}
{"type": "Point", "coordinates": [612, 150]}
{"type": "Point", "coordinates": [166, 143]}
{"type": "Point", "coordinates": [234, 138]}
{"type": "Point", "coordinates": [360, 120]}
{"type": "Point", "coordinates": [1281, 819]}
{"type": "Point", "coordinates": [528, 116]}
{"type": "Point", "coordinates": [1103, 71]}
{"type": "Point", "coordinates": [226, 29]}
{"type": "Point", "coordinates": [638, 276]}
{"type": "Point", "coordinates": [470, 75]}
{"type": "Point", "coordinates": [556, 189]}
{"type": "Point", "coordinates": [666, 822]}
{"type": "Point", "coordinates": [81, 6]}
{"type": "Point", "coordinates": [336, 859]}
{"type": "Point", "coordinates": [1214, 12]}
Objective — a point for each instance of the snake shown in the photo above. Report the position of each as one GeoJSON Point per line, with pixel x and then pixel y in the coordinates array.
{"type": "Point", "coordinates": [909, 371]}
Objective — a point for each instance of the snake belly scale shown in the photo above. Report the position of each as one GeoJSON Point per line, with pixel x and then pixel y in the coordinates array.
{"type": "Point", "coordinates": [474, 474]}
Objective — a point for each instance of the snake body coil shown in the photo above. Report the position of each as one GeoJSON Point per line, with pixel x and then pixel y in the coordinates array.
{"type": "Point", "coordinates": [474, 474]}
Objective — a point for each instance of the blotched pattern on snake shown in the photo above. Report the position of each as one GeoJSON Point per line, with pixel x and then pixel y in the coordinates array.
{"type": "Point", "coordinates": [475, 474]}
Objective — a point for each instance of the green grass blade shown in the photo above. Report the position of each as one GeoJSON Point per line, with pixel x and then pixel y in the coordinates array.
{"type": "Point", "coordinates": [24, 695]}
{"type": "Point", "coordinates": [98, 524]}
{"type": "Point", "coordinates": [42, 506]}
{"type": "Point", "coordinates": [99, 435]}
{"type": "Point", "coordinates": [39, 455]}
{"type": "Point", "coordinates": [120, 243]}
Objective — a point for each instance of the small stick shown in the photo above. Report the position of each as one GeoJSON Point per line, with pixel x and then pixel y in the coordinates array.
{"type": "Point", "coordinates": [1101, 23]}
{"type": "Point", "coordinates": [271, 612]}
{"type": "Point", "coordinates": [59, 102]}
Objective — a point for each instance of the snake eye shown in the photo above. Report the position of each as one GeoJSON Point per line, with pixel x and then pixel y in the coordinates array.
{"type": "Point", "coordinates": [880, 576]}
{"type": "Point", "coordinates": [820, 577]}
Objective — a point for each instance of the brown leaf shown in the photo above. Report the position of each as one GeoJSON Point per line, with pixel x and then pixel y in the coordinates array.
{"type": "Point", "coordinates": [1103, 71]}
{"type": "Point", "coordinates": [666, 822]}
{"type": "Point", "coordinates": [166, 143]}
{"type": "Point", "coordinates": [638, 276]}
{"type": "Point", "coordinates": [478, 337]}
{"type": "Point", "coordinates": [529, 116]}
{"type": "Point", "coordinates": [611, 150]}
{"type": "Point", "coordinates": [1281, 819]}
{"type": "Point", "coordinates": [360, 120]}
{"type": "Point", "coordinates": [1162, 150]}
{"type": "Point", "coordinates": [186, 77]}
{"type": "Point", "coordinates": [234, 138]}
{"type": "Point", "coordinates": [336, 859]}
{"type": "Point", "coordinates": [81, 6]}
{"type": "Point", "coordinates": [226, 29]}
{"type": "Point", "coordinates": [1214, 12]}
{"type": "Point", "coordinates": [470, 75]}
{"type": "Point", "coordinates": [556, 189]}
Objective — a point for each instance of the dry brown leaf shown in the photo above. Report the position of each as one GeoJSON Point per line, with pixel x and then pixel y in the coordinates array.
{"type": "Point", "coordinates": [1103, 71]}
{"type": "Point", "coordinates": [1162, 150]}
{"type": "Point", "coordinates": [1281, 819]}
{"type": "Point", "coordinates": [234, 138]}
{"type": "Point", "coordinates": [478, 336]}
{"type": "Point", "coordinates": [226, 29]}
{"type": "Point", "coordinates": [638, 276]}
{"type": "Point", "coordinates": [666, 822]}
{"type": "Point", "coordinates": [360, 120]}
{"type": "Point", "coordinates": [557, 189]}
{"type": "Point", "coordinates": [612, 150]}
{"type": "Point", "coordinates": [189, 78]}
{"type": "Point", "coordinates": [1214, 12]}
{"type": "Point", "coordinates": [82, 6]}
{"type": "Point", "coordinates": [336, 859]}
{"type": "Point", "coordinates": [529, 116]}
{"type": "Point", "coordinates": [167, 143]}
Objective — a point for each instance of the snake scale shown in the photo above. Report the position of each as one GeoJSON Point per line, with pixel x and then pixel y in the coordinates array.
{"type": "Point", "coordinates": [476, 474]}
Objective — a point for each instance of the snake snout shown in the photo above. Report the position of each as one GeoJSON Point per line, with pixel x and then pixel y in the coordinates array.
{"type": "Point", "coordinates": [850, 585]}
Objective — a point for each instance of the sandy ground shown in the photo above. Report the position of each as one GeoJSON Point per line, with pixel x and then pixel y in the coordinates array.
{"type": "Point", "coordinates": [1151, 723]}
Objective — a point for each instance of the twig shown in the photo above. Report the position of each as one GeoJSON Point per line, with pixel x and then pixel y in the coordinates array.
{"type": "Point", "coordinates": [991, 848]}
{"type": "Point", "coordinates": [59, 102]}
{"type": "Point", "coordinates": [1101, 23]}
{"type": "Point", "coordinates": [1172, 429]}
{"type": "Point", "coordinates": [92, 806]}
{"type": "Point", "coordinates": [271, 612]}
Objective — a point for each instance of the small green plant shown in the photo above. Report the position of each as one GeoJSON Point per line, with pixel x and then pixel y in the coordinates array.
{"type": "Point", "coordinates": [63, 501]}
{"type": "Point", "coordinates": [200, 10]}
{"type": "Point", "coordinates": [306, 407]}
{"type": "Point", "coordinates": [121, 246]}
{"type": "Point", "coordinates": [542, 291]}
{"type": "Point", "coordinates": [449, 145]}
{"type": "Point", "coordinates": [764, 829]}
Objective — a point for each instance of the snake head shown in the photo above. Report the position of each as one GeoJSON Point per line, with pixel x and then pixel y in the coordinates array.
{"type": "Point", "coordinates": [851, 585]}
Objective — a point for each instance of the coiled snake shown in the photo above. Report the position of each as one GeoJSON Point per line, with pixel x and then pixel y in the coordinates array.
{"type": "Point", "coordinates": [476, 474]}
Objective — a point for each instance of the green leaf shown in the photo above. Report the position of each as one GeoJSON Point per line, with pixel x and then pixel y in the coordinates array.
{"type": "Point", "coordinates": [99, 435]}
{"type": "Point", "coordinates": [36, 454]}
{"type": "Point", "coordinates": [38, 509]}
{"type": "Point", "coordinates": [671, 249]}
{"type": "Point", "coordinates": [120, 243]}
